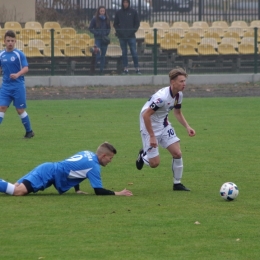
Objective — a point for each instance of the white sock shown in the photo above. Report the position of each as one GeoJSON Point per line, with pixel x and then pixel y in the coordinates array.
{"type": "Point", "coordinates": [146, 160]}
{"type": "Point", "coordinates": [23, 115]}
{"type": "Point", "coordinates": [177, 169]}
{"type": "Point", "coordinates": [10, 189]}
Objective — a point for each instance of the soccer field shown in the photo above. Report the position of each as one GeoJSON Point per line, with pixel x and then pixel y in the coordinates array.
{"type": "Point", "coordinates": [155, 223]}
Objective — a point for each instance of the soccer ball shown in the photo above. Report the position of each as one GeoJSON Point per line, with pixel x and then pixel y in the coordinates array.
{"type": "Point", "coordinates": [229, 191]}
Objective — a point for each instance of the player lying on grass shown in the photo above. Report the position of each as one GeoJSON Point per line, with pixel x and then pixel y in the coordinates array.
{"type": "Point", "coordinates": [66, 174]}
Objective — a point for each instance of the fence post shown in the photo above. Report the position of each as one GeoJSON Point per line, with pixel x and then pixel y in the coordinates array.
{"type": "Point", "coordinates": [255, 54]}
{"type": "Point", "coordinates": [52, 52]}
{"type": "Point", "coordinates": [155, 51]}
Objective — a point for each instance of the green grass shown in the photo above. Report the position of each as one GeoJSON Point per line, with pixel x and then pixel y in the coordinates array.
{"type": "Point", "coordinates": [155, 223]}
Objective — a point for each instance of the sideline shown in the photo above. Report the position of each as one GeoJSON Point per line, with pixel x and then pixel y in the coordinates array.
{"type": "Point", "coordinates": [81, 81]}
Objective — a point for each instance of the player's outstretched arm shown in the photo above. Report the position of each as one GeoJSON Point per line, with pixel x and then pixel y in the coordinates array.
{"type": "Point", "coordinates": [102, 191]}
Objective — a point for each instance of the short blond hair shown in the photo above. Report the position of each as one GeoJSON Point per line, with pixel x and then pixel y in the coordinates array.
{"type": "Point", "coordinates": [106, 148]}
{"type": "Point", "coordinates": [174, 73]}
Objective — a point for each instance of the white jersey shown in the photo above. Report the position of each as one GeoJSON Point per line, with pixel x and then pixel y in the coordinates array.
{"type": "Point", "coordinates": [161, 102]}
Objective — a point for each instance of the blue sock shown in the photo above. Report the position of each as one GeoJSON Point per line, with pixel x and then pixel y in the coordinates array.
{"type": "Point", "coordinates": [3, 186]}
{"type": "Point", "coordinates": [26, 121]}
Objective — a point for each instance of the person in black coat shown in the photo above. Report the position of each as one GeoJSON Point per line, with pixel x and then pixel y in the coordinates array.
{"type": "Point", "coordinates": [126, 24]}
{"type": "Point", "coordinates": [100, 27]}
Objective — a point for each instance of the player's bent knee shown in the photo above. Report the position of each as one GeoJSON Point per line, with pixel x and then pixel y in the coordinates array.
{"type": "Point", "coordinates": [20, 190]}
{"type": "Point", "coordinates": [154, 163]}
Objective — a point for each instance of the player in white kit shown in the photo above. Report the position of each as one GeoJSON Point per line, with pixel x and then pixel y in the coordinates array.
{"type": "Point", "coordinates": [155, 128]}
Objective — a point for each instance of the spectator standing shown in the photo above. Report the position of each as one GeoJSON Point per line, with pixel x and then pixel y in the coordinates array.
{"type": "Point", "coordinates": [126, 24]}
{"type": "Point", "coordinates": [14, 65]}
{"type": "Point", "coordinates": [100, 27]}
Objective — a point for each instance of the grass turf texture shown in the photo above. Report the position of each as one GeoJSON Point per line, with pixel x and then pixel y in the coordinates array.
{"type": "Point", "coordinates": [155, 223]}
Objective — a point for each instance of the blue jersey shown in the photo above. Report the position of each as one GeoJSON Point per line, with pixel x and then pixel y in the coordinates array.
{"type": "Point", "coordinates": [66, 174]}
{"type": "Point", "coordinates": [11, 63]}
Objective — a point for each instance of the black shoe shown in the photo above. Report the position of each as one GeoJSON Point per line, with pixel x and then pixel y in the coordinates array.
{"type": "Point", "coordinates": [180, 186]}
{"type": "Point", "coordinates": [125, 72]}
{"type": "Point", "coordinates": [29, 134]}
{"type": "Point", "coordinates": [139, 161]}
{"type": "Point", "coordinates": [138, 72]}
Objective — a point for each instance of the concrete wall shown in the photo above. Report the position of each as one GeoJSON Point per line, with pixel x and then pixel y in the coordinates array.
{"type": "Point", "coordinates": [81, 81]}
{"type": "Point", "coordinates": [20, 11]}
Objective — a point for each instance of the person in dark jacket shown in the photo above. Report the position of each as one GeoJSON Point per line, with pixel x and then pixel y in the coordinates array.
{"type": "Point", "coordinates": [100, 27]}
{"type": "Point", "coordinates": [126, 24]}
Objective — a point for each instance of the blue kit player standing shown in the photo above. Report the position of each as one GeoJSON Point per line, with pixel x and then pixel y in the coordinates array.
{"type": "Point", "coordinates": [14, 65]}
{"type": "Point", "coordinates": [156, 130]}
{"type": "Point", "coordinates": [66, 174]}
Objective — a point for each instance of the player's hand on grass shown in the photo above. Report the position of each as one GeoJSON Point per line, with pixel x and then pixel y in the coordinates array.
{"type": "Point", "coordinates": [124, 192]}
{"type": "Point", "coordinates": [81, 192]}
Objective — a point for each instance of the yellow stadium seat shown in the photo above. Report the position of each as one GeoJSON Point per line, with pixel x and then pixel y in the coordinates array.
{"type": "Point", "coordinates": [114, 51]}
{"type": "Point", "coordinates": [2, 40]}
{"type": "Point", "coordinates": [168, 44]}
{"type": "Point", "coordinates": [163, 25]}
{"type": "Point", "coordinates": [90, 42]}
{"type": "Point", "coordinates": [214, 35]}
{"type": "Point", "coordinates": [237, 30]}
{"type": "Point", "coordinates": [70, 31]}
{"type": "Point", "coordinates": [140, 34]}
{"type": "Point", "coordinates": [2, 31]}
{"type": "Point", "coordinates": [232, 35]}
{"type": "Point", "coordinates": [226, 49]}
{"type": "Point", "coordinates": [15, 26]}
{"type": "Point", "coordinates": [211, 41]}
{"type": "Point", "coordinates": [57, 52]}
{"type": "Point", "coordinates": [191, 35]}
{"type": "Point", "coordinates": [36, 43]}
{"type": "Point", "coordinates": [149, 39]}
{"type": "Point", "coordinates": [182, 25]}
{"type": "Point", "coordinates": [73, 51]}
{"type": "Point", "coordinates": [88, 52]}
{"type": "Point", "coordinates": [189, 41]}
{"type": "Point", "coordinates": [199, 31]}
{"type": "Point", "coordinates": [29, 32]}
{"type": "Point", "coordinates": [230, 40]}
{"type": "Point", "coordinates": [19, 45]}
{"type": "Point", "coordinates": [186, 50]}
{"type": "Point", "coordinates": [65, 37]}
{"type": "Point", "coordinates": [52, 25]}
{"type": "Point", "coordinates": [145, 25]}
{"type": "Point", "coordinates": [206, 49]}
{"type": "Point", "coordinates": [249, 40]}
{"type": "Point", "coordinates": [239, 24]}
{"type": "Point", "coordinates": [33, 25]}
{"type": "Point", "coordinates": [82, 36]}
{"type": "Point", "coordinates": [24, 38]}
{"type": "Point", "coordinates": [246, 48]}
{"type": "Point", "coordinates": [46, 38]}
{"type": "Point", "coordinates": [175, 36]}
{"type": "Point", "coordinates": [217, 30]}
{"type": "Point", "coordinates": [78, 42]}
{"type": "Point", "coordinates": [255, 24]}
{"type": "Point", "coordinates": [32, 52]}
{"type": "Point", "coordinates": [201, 24]}
{"type": "Point", "coordinates": [220, 24]}
{"type": "Point", "coordinates": [179, 31]}
{"type": "Point", "coordinates": [59, 43]}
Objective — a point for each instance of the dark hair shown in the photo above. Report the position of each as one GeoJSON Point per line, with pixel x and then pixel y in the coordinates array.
{"type": "Point", "coordinates": [97, 16]}
{"type": "Point", "coordinates": [10, 33]}
{"type": "Point", "coordinates": [106, 147]}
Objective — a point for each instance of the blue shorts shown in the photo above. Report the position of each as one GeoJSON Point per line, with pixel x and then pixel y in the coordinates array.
{"type": "Point", "coordinates": [16, 94]}
{"type": "Point", "coordinates": [40, 177]}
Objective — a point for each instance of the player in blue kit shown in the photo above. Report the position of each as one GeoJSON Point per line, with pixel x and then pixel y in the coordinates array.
{"type": "Point", "coordinates": [156, 130]}
{"type": "Point", "coordinates": [14, 65]}
{"type": "Point", "coordinates": [66, 174]}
